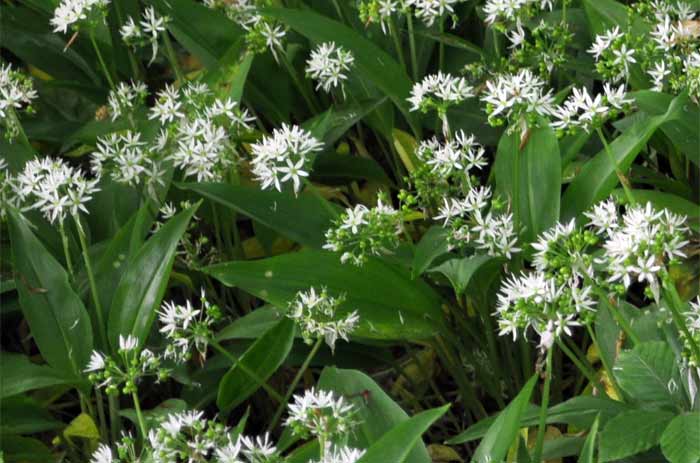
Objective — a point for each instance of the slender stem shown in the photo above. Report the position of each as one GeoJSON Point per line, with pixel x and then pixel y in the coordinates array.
{"type": "Point", "coordinates": [623, 180]}
{"type": "Point", "coordinates": [66, 249]}
{"type": "Point", "coordinates": [412, 46]}
{"type": "Point", "coordinates": [516, 182]}
{"type": "Point", "coordinates": [114, 422]}
{"type": "Point", "coordinates": [297, 82]}
{"type": "Point", "coordinates": [326, 204]}
{"type": "Point", "coordinates": [14, 118]}
{"type": "Point", "coordinates": [338, 11]}
{"type": "Point", "coordinates": [101, 59]}
{"type": "Point", "coordinates": [91, 280]}
{"type": "Point", "coordinates": [172, 57]}
{"type": "Point", "coordinates": [397, 42]}
{"type": "Point", "coordinates": [441, 61]}
{"type": "Point", "coordinates": [587, 372]}
{"type": "Point", "coordinates": [675, 306]}
{"type": "Point", "coordinates": [237, 363]}
{"type": "Point", "coordinates": [139, 415]}
{"type": "Point", "coordinates": [537, 455]}
{"type": "Point", "coordinates": [135, 69]}
{"type": "Point", "coordinates": [101, 413]}
{"type": "Point", "coordinates": [604, 361]}
{"type": "Point", "coordinates": [295, 381]}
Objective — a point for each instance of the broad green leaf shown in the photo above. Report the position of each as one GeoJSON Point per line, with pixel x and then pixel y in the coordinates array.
{"type": "Point", "coordinates": [579, 411]}
{"type": "Point", "coordinates": [588, 451]}
{"type": "Point", "coordinates": [263, 357]}
{"type": "Point", "coordinates": [338, 120]}
{"type": "Point", "coordinates": [343, 166]}
{"type": "Point", "coordinates": [597, 177]}
{"type": "Point", "coordinates": [432, 245]}
{"type": "Point", "coordinates": [604, 14]}
{"type": "Point", "coordinates": [371, 62]}
{"type": "Point", "coordinates": [390, 304]}
{"type": "Point", "coordinates": [145, 279]}
{"type": "Point", "coordinates": [19, 375]}
{"type": "Point", "coordinates": [680, 442]}
{"type": "Point", "coordinates": [252, 325]}
{"type": "Point", "coordinates": [649, 374]}
{"type": "Point", "coordinates": [18, 449]}
{"type": "Point", "coordinates": [395, 445]}
{"type": "Point", "coordinates": [24, 415]}
{"type": "Point", "coordinates": [460, 271]}
{"type": "Point", "coordinates": [684, 132]}
{"type": "Point", "coordinates": [632, 432]}
{"type": "Point", "coordinates": [377, 415]}
{"type": "Point", "coordinates": [501, 434]}
{"type": "Point", "coordinates": [539, 184]}
{"type": "Point", "coordinates": [560, 447]}
{"type": "Point", "coordinates": [57, 317]}
{"type": "Point", "coordinates": [303, 219]}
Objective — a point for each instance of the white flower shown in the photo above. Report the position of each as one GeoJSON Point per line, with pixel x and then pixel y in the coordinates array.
{"type": "Point", "coordinates": [617, 97]}
{"type": "Point", "coordinates": [153, 25]}
{"type": "Point", "coordinates": [273, 35]}
{"type": "Point", "coordinates": [320, 413]}
{"type": "Point", "coordinates": [329, 65]}
{"type": "Point", "coordinates": [439, 90]}
{"type": "Point", "coordinates": [128, 343]}
{"type": "Point", "coordinates": [167, 106]}
{"type": "Point", "coordinates": [430, 10]}
{"type": "Point", "coordinates": [287, 151]}
{"type": "Point", "coordinates": [341, 455]}
{"type": "Point", "coordinates": [96, 363]}
{"type": "Point", "coordinates": [658, 75]}
{"type": "Point", "coordinates": [69, 12]}
{"type": "Point", "coordinates": [513, 95]}
{"type": "Point", "coordinates": [186, 327]}
{"type": "Point", "coordinates": [258, 449]}
{"type": "Point", "coordinates": [603, 217]}
{"type": "Point", "coordinates": [123, 99]}
{"type": "Point", "coordinates": [624, 57]}
{"type": "Point", "coordinates": [16, 89]}
{"type": "Point", "coordinates": [103, 454]}
{"type": "Point", "coordinates": [604, 41]}
{"type": "Point", "coordinates": [229, 453]}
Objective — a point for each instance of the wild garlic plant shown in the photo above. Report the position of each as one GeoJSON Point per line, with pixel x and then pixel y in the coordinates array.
{"type": "Point", "coordinates": [146, 32]}
{"type": "Point", "coordinates": [16, 95]}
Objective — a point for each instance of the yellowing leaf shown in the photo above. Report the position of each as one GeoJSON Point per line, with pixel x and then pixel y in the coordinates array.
{"type": "Point", "coordinates": [82, 426]}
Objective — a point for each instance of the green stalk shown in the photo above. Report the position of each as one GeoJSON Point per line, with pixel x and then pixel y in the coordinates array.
{"type": "Point", "coordinates": [139, 415]}
{"type": "Point", "coordinates": [101, 413]}
{"type": "Point", "coordinates": [623, 180]}
{"type": "Point", "coordinates": [91, 280]}
{"type": "Point", "coordinates": [66, 249]}
{"type": "Point", "coordinates": [621, 320]}
{"type": "Point", "coordinates": [397, 42]}
{"type": "Point", "coordinates": [22, 134]}
{"type": "Point", "coordinates": [114, 422]}
{"type": "Point", "coordinates": [537, 455]}
{"type": "Point", "coordinates": [441, 61]}
{"type": "Point", "coordinates": [105, 71]}
{"type": "Point", "coordinates": [299, 85]}
{"type": "Point", "coordinates": [675, 306]}
{"type": "Point", "coordinates": [412, 46]}
{"type": "Point", "coordinates": [237, 363]}
{"type": "Point", "coordinates": [295, 382]}
{"type": "Point", "coordinates": [604, 361]}
{"type": "Point", "coordinates": [587, 372]}
{"type": "Point", "coordinates": [172, 57]}
{"type": "Point", "coordinates": [135, 69]}
{"type": "Point", "coordinates": [339, 12]}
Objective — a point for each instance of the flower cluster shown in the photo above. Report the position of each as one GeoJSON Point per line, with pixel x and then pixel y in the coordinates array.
{"type": "Point", "coordinates": [74, 13]}
{"type": "Point", "coordinates": [195, 249]}
{"type": "Point", "coordinates": [262, 33]}
{"type": "Point", "coordinates": [503, 13]}
{"type": "Point", "coordinates": [517, 97]}
{"type": "Point", "coordinates": [16, 94]}
{"type": "Point", "coordinates": [537, 301]}
{"type": "Point", "coordinates": [54, 188]}
{"type": "Point", "coordinates": [284, 156]}
{"type": "Point", "coordinates": [316, 315]}
{"type": "Point", "coordinates": [321, 414]}
{"type": "Point", "coordinates": [186, 327]}
{"type": "Point", "coordinates": [360, 232]}
{"type": "Point", "coordinates": [126, 98]}
{"type": "Point", "coordinates": [614, 53]}
{"type": "Point", "coordinates": [581, 111]}
{"type": "Point", "coordinates": [125, 371]}
{"type": "Point", "coordinates": [146, 31]}
{"type": "Point", "coordinates": [564, 253]}
{"type": "Point", "coordinates": [439, 92]}
{"type": "Point", "coordinates": [379, 11]}
{"type": "Point", "coordinates": [639, 245]}
{"type": "Point", "coordinates": [431, 10]}
{"type": "Point", "coordinates": [542, 46]}
{"type": "Point", "coordinates": [336, 454]}
{"type": "Point", "coordinates": [329, 65]}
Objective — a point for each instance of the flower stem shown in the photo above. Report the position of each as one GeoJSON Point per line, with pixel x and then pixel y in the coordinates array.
{"type": "Point", "coordinates": [295, 382]}
{"type": "Point", "coordinates": [412, 46]}
{"type": "Point", "coordinates": [675, 304]}
{"type": "Point", "coordinates": [397, 42]}
{"type": "Point", "coordinates": [114, 423]}
{"type": "Point", "coordinates": [139, 415]}
{"type": "Point", "coordinates": [537, 454]}
{"type": "Point", "coordinates": [587, 372]}
{"type": "Point", "coordinates": [623, 180]}
{"type": "Point", "coordinates": [298, 83]}
{"type": "Point", "coordinates": [237, 363]}
{"type": "Point", "coordinates": [101, 59]}
{"type": "Point", "coordinates": [20, 130]}
{"type": "Point", "coordinates": [170, 52]}
{"type": "Point", "coordinates": [91, 280]}
{"type": "Point", "coordinates": [66, 249]}
{"type": "Point", "coordinates": [101, 413]}
{"type": "Point", "coordinates": [441, 46]}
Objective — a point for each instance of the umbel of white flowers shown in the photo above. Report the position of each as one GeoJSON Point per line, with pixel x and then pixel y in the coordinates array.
{"type": "Point", "coordinates": [16, 94]}
{"type": "Point", "coordinates": [73, 13]}
{"type": "Point", "coordinates": [329, 65]}
{"type": "Point", "coordinates": [146, 31]}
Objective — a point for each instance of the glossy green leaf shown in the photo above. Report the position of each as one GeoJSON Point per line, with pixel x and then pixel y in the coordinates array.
{"type": "Point", "coordinates": [501, 434]}
{"type": "Point", "coordinates": [263, 357]}
{"type": "Point", "coordinates": [18, 449]}
{"type": "Point", "coordinates": [632, 432]}
{"type": "Point", "coordinates": [597, 178]}
{"type": "Point", "coordinates": [303, 219]}
{"type": "Point", "coordinates": [647, 373]}
{"type": "Point", "coordinates": [461, 271]}
{"type": "Point", "coordinates": [342, 166]}
{"type": "Point", "coordinates": [588, 451]}
{"type": "Point", "coordinates": [371, 62]}
{"type": "Point", "coordinates": [19, 375]}
{"type": "Point", "coordinates": [539, 184]}
{"type": "Point", "coordinates": [145, 279]}
{"type": "Point", "coordinates": [57, 317]}
{"type": "Point", "coordinates": [390, 304]}
{"type": "Point", "coordinates": [680, 442]}
{"type": "Point", "coordinates": [24, 415]}
{"type": "Point", "coordinates": [338, 120]}
{"type": "Point", "coordinates": [396, 444]}
{"type": "Point", "coordinates": [252, 325]}
{"type": "Point", "coordinates": [377, 415]}
{"type": "Point", "coordinates": [432, 245]}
